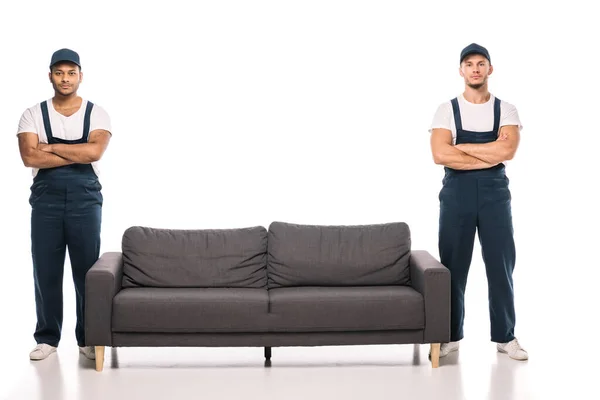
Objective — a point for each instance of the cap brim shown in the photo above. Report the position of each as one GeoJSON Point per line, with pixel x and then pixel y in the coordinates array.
{"type": "Point", "coordinates": [470, 53]}
{"type": "Point", "coordinates": [69, 61]}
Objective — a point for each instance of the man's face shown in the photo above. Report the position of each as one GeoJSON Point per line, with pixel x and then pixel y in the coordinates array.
{"type": "Point", "coordinates": [475, 69]}
{"type": "Point", "coordinates": [65, 78]}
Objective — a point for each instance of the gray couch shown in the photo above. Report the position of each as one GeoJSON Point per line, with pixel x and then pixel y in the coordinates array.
{"type": "Point", "coordinates": [290, 285]}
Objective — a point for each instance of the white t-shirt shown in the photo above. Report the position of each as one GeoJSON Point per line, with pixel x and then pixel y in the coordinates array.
{"type": "Point", "coordinates": [474, 117]}
{"type": "Point", "coordinates": [67, 128]}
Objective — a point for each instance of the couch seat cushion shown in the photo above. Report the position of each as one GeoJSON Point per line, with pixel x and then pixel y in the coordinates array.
{"type": "Point", "coordinates": [184, 310]}
{"type": "Point", "coordinates": [323, 309]}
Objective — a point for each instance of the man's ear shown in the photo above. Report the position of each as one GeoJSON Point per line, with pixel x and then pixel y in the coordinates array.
{"type": "Point", "coordinates": [460, 71]}
{"type": "Point", "coordinates": [491, 70]}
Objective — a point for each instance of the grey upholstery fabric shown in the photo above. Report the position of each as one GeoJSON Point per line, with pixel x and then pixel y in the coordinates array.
{"type": "Point", "coordinates": [432, 280]}
{"type": "Point", "coordinates": [266, 339]}
{"type": "Point", "coordinates": [329, 286]}
{"type": "Point", "coordinates": [234, 258]}
{"type": "Point", "coordinates": [365, 255]}
{"type": "Point", "coordinates": [330, 309]}
{"type": "Point", "coordinates": [102, 283]}
{"type": "Point", "coordinates": [190, 310]}
{"type": "Point", "coordinates": [309, 309]}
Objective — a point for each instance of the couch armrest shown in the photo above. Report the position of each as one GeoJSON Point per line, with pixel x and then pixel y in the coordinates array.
{"type": "Point", "coordinates": [432, 279]}
{"type": "Point", "coordinates": [102, 283]}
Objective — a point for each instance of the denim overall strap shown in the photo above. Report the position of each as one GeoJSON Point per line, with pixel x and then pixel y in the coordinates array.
{"type": "Point", "coordinates": [46, 118]}
{"type": "Point", "coordinates": [456, 112]}
{"type": "Point", "coordinates": [86, 121]}
{"type": "Point", "coordinates": [496, 115]}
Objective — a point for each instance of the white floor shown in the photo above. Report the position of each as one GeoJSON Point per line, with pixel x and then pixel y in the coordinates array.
{"type": "Point", "coordinates": [359, 372]}
{"type": "Point", "coordinates": [555, 323]}
{"type": "Point", "coordinates": [376, 372]}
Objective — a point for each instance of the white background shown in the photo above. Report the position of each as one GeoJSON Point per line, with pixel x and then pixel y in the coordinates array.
{"type": "Point", "coordinates": [238, 113]}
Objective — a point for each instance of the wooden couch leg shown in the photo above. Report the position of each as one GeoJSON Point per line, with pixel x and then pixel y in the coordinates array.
{"type": "Point", "coordinates": [99, 358]}
{"type": "Point", "coordinates": [435, 355]}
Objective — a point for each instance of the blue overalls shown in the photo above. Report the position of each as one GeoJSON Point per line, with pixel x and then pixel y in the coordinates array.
{"type": "Point", "coordinates": [66, 205]}
{"type": "Point", "coordinates": [478, 199]}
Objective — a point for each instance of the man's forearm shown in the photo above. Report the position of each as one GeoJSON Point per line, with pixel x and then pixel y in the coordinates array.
{"type": "Point", "coordinates": [492, 152]}
{"type": "Point", "coordinates": [82, 153]}
{"type": "Point", "coordinates": [456, 159]}
{"type": "Point", "coordinates": [41, 159]}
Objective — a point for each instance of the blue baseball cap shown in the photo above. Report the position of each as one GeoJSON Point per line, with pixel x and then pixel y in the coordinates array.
{"type": "Point", "coordinates": [65, 55]}
{"type": "Point", "coordinates": [474, 48]}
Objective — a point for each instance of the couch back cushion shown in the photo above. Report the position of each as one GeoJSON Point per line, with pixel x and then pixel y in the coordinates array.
{"type": "Point", "coordinates": [359, 255]}
{"type": "Point", "coordinates": [221, 258]}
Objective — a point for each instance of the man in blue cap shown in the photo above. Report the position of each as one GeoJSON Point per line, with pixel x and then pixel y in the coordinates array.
{"type": "Point", "coordinates": [473, 136]}
{"type": "Point", "coordinates": [62, 139]}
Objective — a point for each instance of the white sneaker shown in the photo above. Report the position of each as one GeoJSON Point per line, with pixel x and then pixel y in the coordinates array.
{"type": "Point", "coordinates": [41, 351]}
{"type": "Point", "coordinates": [446, 348]}
{"type": "Point", "coordinates": [88, 351]}
{"type": "Point", "coordinates": [513, 349]}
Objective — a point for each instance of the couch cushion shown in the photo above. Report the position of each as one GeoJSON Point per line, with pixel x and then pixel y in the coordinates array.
{"type": "Point", "coordinates": [362, 255]}
{"type": "Point", "coordinates": [318, 309]}
{"type": "Point", "coordinates": [188, 310]}
{"type": "Point", "coordinates": [195, 258]}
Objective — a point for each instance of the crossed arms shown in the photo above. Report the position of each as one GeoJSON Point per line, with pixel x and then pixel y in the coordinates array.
{"type": "Point", "coordinates": [41, 155]}
{"type": "Point", "coordinates": [474, 156]}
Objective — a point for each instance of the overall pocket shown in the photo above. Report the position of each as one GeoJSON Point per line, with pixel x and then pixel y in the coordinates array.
{"type": "Point", "coordinates": [92, 189]}
{"type": "Point", "coordinates": [38, 189]}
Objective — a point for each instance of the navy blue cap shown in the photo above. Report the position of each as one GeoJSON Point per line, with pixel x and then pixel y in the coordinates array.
{"type": "Point", "coordinates": [474, 48]}
{"type": "Point", "coordinates": [65, 55]}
